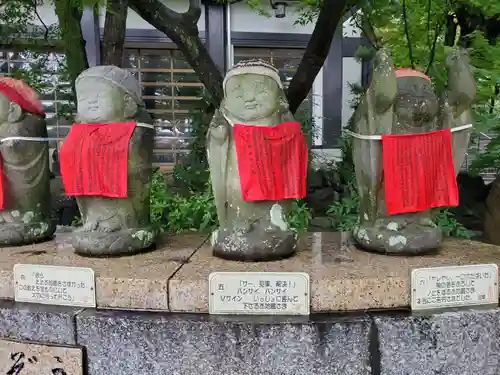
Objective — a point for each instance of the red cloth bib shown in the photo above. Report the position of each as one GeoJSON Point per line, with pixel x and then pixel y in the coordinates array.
{"type": "Point", "coordinates": [272, 161]}
{"type": "Point", "coordinates": [419, 173]}
{"type": "Point", "coordinates": [94, 159]}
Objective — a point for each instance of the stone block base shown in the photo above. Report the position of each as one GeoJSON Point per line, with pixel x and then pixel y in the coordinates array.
{"type": "Point", "coordinates": [181, 339]}
{"type": "Point", "coordinates": [145, 343]}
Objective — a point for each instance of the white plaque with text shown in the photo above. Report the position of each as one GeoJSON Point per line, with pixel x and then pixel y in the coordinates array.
{"type": "Point", "coordinates": [259, 293]}
{"type": "Point", "coordinates": [54, 285]}
{"type": "Point", "coordinates": [455, 286]}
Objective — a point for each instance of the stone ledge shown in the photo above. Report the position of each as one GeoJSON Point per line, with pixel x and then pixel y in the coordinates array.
{"type": "Point", "coordinates": [343, 278]}
{"type": "Point", "coordinates": [133, 282]}
{"type": "Point", "coordinates": [175, 277]}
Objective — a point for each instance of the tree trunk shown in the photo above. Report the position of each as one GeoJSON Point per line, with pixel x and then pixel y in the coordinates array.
{"type": "Point", "coordinates": [182, 29]}
{"type": "Point", "coordinates": [331, 12]}
{"type": "Point", "coordinates": [71, 34]}
{"type": "Point", "coordinates": [115, 27]}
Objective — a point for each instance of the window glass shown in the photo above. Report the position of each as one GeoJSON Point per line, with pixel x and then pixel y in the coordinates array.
{"type": "Point", "coordinates": [170, 90]}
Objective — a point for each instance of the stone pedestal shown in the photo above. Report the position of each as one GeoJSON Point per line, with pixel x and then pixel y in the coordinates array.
{"type": "Point", "coordinates": [176, 336]}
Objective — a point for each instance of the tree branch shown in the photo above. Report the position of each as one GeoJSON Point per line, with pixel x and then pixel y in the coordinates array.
{"type": "Point", "coordinates": [184, 34]}
{"type": "Point", "coordinates": [367, 29]}
{"type": "Point", "coordinates": [407, 33]}
{"type": "Point", "coordinates": [437, 31]}
{"type": "Point", "coordinates": [46, 34]}
{"type": "Point", "coordinates": [194, 11]}
{"type": "Point", "coordinates": [317, 50]}
{"type": "Point", "coordinates": [115, 25]}
{"type": "Point", "coordinates": [70, 18]}
{"type": "Point", "coordinates": [429, 7]}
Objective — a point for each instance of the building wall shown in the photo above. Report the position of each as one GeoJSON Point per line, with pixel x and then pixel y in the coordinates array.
{"type": "Point", "coordinates": [244, 19]}
{"type": "Point", "coordinates": [47, 14]}
{"type": "Point", "coordinates": [330, 98]}
{"type": "Point", "coordinates": [134, 21]}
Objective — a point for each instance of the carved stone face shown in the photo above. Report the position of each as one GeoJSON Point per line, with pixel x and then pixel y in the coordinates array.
{"type": "Point", "coordinates": [100, 101]}
{"type": "Point", "coordinates": [416, 103]}
{"type": "Point", "coordinates": [251, 97]}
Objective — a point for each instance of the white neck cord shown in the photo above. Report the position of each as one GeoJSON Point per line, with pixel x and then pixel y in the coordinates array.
{"type": "Point", "coordinates": [379, 137]}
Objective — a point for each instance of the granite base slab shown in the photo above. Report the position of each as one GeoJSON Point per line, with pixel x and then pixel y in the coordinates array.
{"type": "Point", "coordinates": [132, 342]}
{"type": "Point", "coordinates": [130, 282]}
{"type": "Point", "coordinates": [454, 343]}
{"type": "Point", "coordinates": [122, 343]}
{"type": "Point", "coordinates": [343, 278]}
{"type": "Point", "coordinates": [33, 322]}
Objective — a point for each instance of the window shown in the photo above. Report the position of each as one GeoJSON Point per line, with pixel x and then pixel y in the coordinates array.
{"type": "Point", "coordinates": [45, 72]}
{"type": "Point", "coordinates": [285, 60]}
{"type": "Point", "coordinates": [170, 90]}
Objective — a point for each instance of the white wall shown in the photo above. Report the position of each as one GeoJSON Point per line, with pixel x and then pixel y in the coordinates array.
{"type": "Point", "coordinates": [136, 22]}
{"type": "Point", "coordinates": [244, 19]}
{"type": "Point", "coordinates": [47, 14]}
{"type": "Point", "coordinates": [317, 108]}
{"type": "Point", "coordinates": [351, 73]}
{"type": "Point", "coordinates": [349, 29]}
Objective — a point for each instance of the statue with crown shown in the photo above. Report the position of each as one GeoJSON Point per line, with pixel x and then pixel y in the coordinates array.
{"type": "Point", "coordinates": [106, 163]}
{"type": "Point", "coordinates": [258, 162]}
{"type": "Point", "coordinates": [408, 146]}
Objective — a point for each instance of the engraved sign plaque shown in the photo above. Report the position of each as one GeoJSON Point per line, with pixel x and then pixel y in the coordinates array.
{"type": "Point", "coordinates": [54, 285]}
{"type": "Point", "coordinates": [455, 286]}
{"type": "Point", "coordinates": [259, 293]}
{"type": "Point", "coordinates": [26, 358]}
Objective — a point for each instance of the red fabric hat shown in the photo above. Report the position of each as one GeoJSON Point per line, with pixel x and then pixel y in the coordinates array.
{"type": "Point", "coordinates": [406, 72]}
{"type": "Point", "coordinates": [22, 94]}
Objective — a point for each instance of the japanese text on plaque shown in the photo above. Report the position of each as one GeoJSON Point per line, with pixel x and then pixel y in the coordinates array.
{"type": "Point", "coordinates": [459, 288]}
{"type": "Point", "coordinates": [268, 295]}
{"type": "Point", "coordinates": [46, 289]}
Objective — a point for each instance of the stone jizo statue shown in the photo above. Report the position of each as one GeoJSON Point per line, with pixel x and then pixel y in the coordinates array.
{"type": "Point", "coordinates": [410, 143]}
{"type": "Point", "coordinates": [25, 198]}
{"type": "Point", "coordinates": [258, 163]}
{"type": "Point", "coordinates": [106, 163]}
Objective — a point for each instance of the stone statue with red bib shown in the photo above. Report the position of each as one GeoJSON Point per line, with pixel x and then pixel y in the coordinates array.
{"type": "Point", "coordinates": [258, 162]}
{"type": "Point", "coordinates": [408, 145]}
{"type": "Point", "coordinates": [106, 163]}
{"type": "Point", "coordinates": [25, 197]}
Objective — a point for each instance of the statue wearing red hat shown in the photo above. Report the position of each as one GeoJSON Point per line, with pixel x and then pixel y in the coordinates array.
{"type": "Point", "coordinates": [25, 200]}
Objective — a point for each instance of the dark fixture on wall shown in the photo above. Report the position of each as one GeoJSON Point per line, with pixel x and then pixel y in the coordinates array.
{"type": "Point", "coordinates": [279, 8]}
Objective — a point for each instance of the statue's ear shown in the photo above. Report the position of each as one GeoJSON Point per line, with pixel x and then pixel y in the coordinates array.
{"type": "Point", "coordinates": [15, 112]}
{"type": "Point", "coordinates": [130, 107]}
